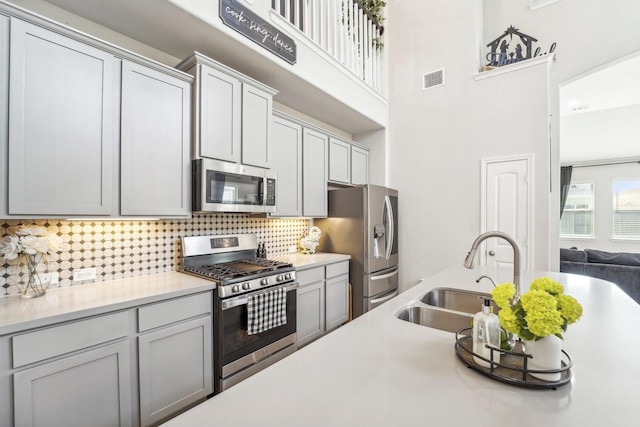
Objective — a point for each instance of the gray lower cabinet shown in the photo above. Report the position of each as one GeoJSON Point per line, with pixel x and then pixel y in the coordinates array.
{"type": "Point", "coordinates": [135, 367]}
{"type": "Point", "coordinates": [175, 357]}
{"type": "Point", "coordinates": [310, 323]}
{"type": "Point", "coordinates": [73, 374]}
{"type": "Point", "coordinates": [92, 388]}
{"type": "Point", "coordinates": [337, 294]}
{"type": "Point", "coordinates": [323, 300]}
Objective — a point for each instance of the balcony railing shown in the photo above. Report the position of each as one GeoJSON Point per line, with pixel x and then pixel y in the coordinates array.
{"type": "Point", "coordinates": [343, 29]}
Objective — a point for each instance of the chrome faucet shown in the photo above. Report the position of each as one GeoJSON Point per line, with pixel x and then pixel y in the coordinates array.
{"type": "Point", "coordinates": [468, 261]}
{"type": "Point", "coordinates": [484, 276]}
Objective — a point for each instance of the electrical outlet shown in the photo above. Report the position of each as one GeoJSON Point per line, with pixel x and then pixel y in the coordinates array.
{"type": "Point", "coordinates": [84, 274]}
{"type": "Point", "coordinates": [51, 278]}
{"type": "Point", "coordinates": [292, 249]}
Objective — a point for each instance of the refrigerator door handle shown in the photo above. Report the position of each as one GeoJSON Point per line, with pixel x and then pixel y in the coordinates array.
{"type": "Point", "coordinates": [385, 276]}
{"type": "Point", "coordinates": [385, 298]}
{"type": "Point", "coordinates": [390, 234]}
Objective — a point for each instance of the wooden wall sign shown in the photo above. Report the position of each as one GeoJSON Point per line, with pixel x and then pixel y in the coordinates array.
{"type": "Point", "coordinates": [250, 25]}
{"type": "Point", "coordinates": [502, 53]}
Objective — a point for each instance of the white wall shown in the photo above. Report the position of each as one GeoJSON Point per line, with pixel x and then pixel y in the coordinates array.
{"type": "Point", "coordinates": [603, 177]}
{"type": "Point", "coordinates": [438, 137]}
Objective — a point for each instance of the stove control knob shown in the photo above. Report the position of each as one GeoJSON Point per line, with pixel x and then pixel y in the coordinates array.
{"type": "Point", "coordinates": [280, 278]}
{"type": "Point", "coordinates": [287, 276]}
{"type": "Point", "coordinates": [264, 282]}
{"type": "Point", "coordinates": [246, 286]}
{"type": "Point", "coordinates": [235, 288]}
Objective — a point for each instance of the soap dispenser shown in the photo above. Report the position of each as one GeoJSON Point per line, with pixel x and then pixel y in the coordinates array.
{"type": "Point", "coordinates": [486, 330]}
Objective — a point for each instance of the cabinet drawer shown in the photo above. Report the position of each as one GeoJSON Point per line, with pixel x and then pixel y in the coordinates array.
{"type": "Point", "coordinates": [310, 275]}
{"type": "Point", "coordinates": [337, 269]}
{"type": "Point", "coordinates": [164, 313]}
{"type": "Point", "coordinates": [45, 343]}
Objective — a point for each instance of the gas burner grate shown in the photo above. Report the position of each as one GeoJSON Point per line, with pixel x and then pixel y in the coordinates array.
{"type": "Point", "coordinates": [225, 272]}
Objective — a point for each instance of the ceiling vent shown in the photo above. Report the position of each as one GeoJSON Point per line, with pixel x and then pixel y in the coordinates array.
{"type": "Point", "coordinates": [433, 79]}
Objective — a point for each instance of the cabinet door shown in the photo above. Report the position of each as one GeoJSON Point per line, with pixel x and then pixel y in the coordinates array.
{"type": "Point", "coordinates": [257, 106]}
{"type": "Point", "coordinates": [337, 301]}
{"type": "Point", "coordinates": [154, 143]}
{"type": "Point", "coordinates": [310, 313]}
{"type": "Point", "coordinates": [314, 174]}
{"type": "Point", "coordinates": [175, 369]}
{"type": "Point", "coordinates": [89, 389]}
{"type": "Point", "coordinates": [339, 161]}
{"type": "Point", "coordinates": [359, 166]}
{"type": "Point", "coordinates": [4, 112]}
{"type": "Point", "coordinates": [61, 135]}
{"type": "Point", "coordinates": [287, 162]}
{"type": "Point", "coordinates": [220, 115]}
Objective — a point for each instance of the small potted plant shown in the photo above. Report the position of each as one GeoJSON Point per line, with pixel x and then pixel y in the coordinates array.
{"type": "Point", "coordinates": [538, 317]}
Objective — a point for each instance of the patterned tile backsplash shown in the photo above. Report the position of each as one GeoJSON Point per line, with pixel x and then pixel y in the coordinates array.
{"type": "Point", "coordinates": [125, 248]}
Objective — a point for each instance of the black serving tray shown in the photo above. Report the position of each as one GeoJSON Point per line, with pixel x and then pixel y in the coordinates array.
{"type": "Point", "coordinates": [512, 368]}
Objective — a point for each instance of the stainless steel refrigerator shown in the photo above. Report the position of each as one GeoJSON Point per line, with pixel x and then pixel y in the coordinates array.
{"type": "Point", "coordinates": [363, 222]}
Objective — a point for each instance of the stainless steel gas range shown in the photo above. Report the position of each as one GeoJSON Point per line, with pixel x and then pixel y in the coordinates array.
{"type": "Point", "coordinates": [254, 319]}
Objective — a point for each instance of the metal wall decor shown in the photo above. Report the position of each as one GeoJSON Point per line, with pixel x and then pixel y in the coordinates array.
{"type": "Point", "coordinates": [503, 51]}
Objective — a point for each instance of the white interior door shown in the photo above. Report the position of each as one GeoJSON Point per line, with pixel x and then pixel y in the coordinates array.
{"type": "Point", "coordinates": [507, 202]}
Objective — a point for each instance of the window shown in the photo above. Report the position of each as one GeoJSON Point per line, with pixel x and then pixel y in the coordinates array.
{"type": "Point", "coordinates": [577, 218]}
{"type": "Point", "coordinates": [626, 209]}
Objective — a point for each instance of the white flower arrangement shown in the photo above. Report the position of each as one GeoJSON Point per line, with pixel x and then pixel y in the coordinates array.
{"type": "Point", "coordinates": [34, 245]}
{"type": "Point", "coordinates": [310, 240]}
{"type": "Point", "coordinates": [34, 241]}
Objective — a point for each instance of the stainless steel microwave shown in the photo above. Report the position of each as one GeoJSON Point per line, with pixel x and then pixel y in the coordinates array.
{"type": "Point", "coordinates": [230, 187]}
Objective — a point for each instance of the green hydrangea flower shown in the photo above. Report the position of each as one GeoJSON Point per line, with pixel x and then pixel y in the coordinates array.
{"type": "Point", "coordinates": [548, 285]}
{"type": "Point", "coordinates": [542, 311]}
{"type": "Point", "coordinates": [509, 320]}
{"type": "Point", "coordinates": [503, 293]}
{"type": "Point", "coordinates": [569, 308]}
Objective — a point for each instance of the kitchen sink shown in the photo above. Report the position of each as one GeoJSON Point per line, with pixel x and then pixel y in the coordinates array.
{"type": "Point", "coordinates": [447, 309]}
{"type": "Point", "coordinates": [432, 317]}
{"type": "Point", "coordinates": [456, 299]}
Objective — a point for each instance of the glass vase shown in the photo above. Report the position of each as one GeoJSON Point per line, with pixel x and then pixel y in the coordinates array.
{"type": "Point", "coordinates": [36, 281]}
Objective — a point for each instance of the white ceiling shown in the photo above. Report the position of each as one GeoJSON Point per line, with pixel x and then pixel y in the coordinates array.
{"type": "Point", "coordinates": [600, 114]}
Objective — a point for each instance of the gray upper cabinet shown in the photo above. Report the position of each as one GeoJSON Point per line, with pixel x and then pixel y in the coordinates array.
{"type": "Point", "coordinates": [359, 166]}
{"type": "Point", "coordinates": [314, 173]}
{"type": "Point", "coordinates": [339, 161]}
{"type": "Point", "coordinates": [93, 130]}
{"type": "Point", "coordinates": [287, 162]}
{"type": "Point", "coordinates": [61, 124]}
{"type": "Point", "coordinates": [348, 163]}
{"type": "Point", "coordinates": [218, 124]}
{"type": "Point", "coordinates": [257, 106]}
{"type": "Point", "coordinates": [4, 109]}
{"type": "Point", "coordinates": [232, 113]}
{"type": "Point", "coordinates": [155, 143]}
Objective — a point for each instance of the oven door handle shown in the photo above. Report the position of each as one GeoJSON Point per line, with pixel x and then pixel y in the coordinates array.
{"type": "Point", "coordinates": [242, 300]}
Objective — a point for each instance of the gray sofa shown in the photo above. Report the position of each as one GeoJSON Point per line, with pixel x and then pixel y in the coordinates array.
{"type": "Point", "coordinates": [621, 268]}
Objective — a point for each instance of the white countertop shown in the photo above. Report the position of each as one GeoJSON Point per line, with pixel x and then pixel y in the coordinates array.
{"type": "Point", "coordinates": [73, 302]}
{"type": "Point", "coordinates": [304, 261]}
{"type": "Point", "coordinates": [382, 371]}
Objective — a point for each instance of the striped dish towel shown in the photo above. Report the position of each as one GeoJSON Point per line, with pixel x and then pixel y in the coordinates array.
{"type": "Point", "coordinates": [267, 310]}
